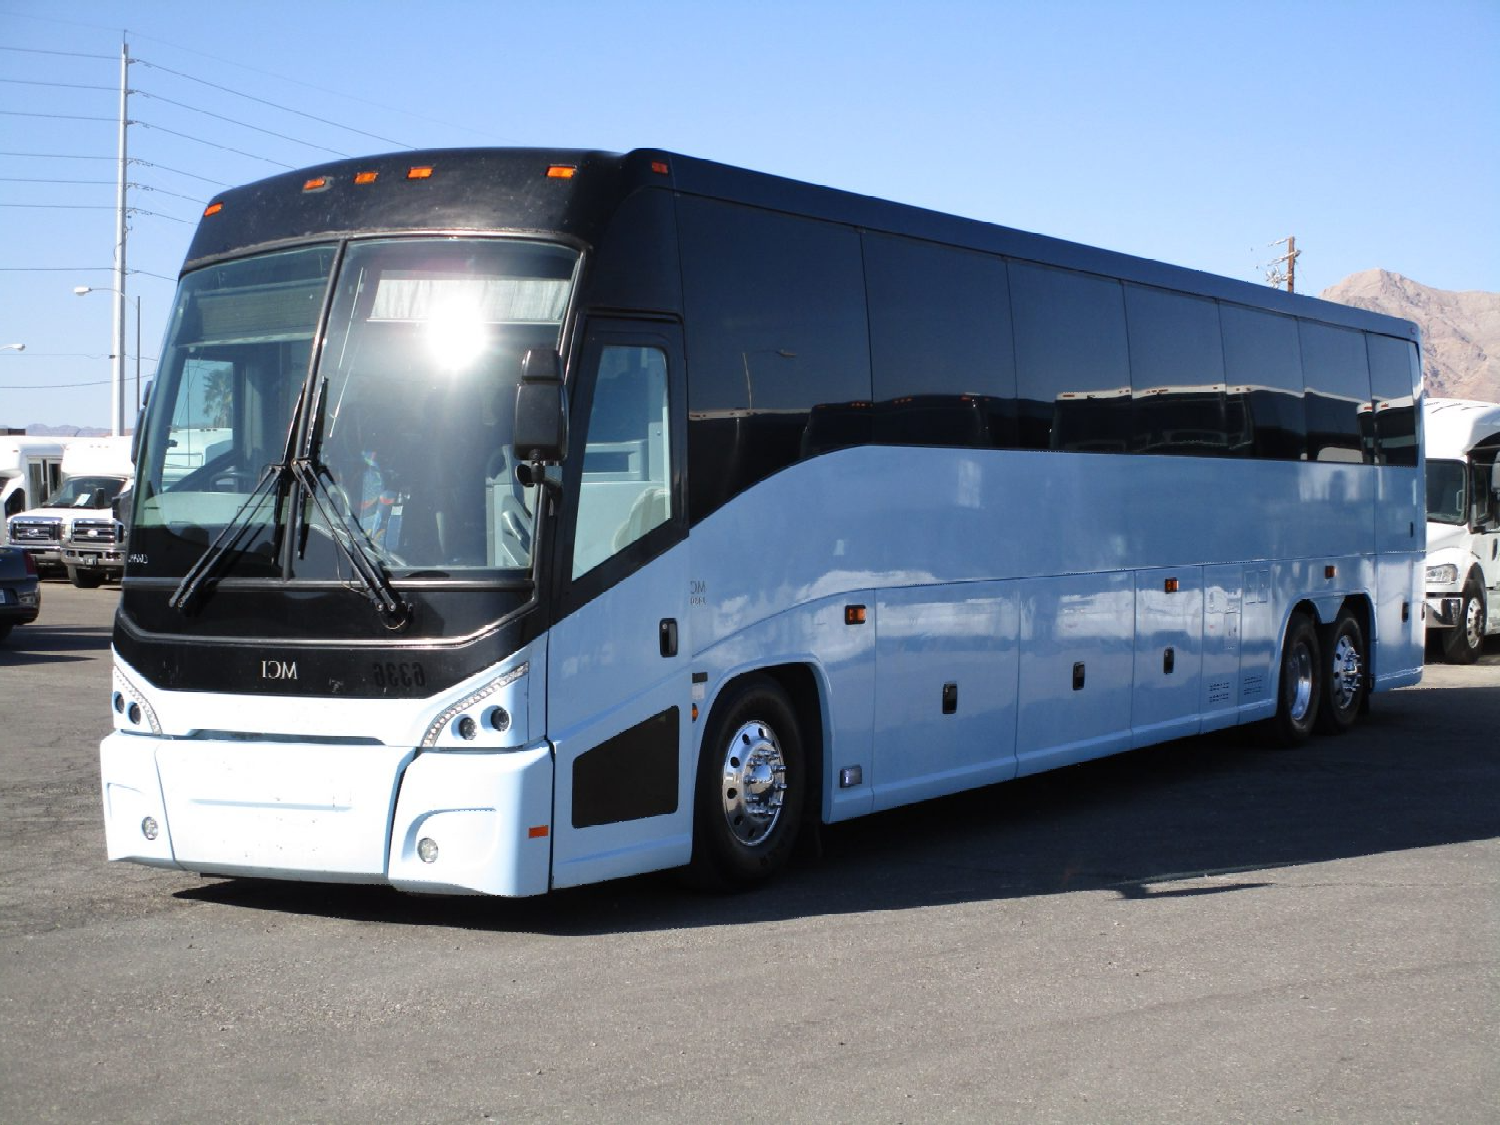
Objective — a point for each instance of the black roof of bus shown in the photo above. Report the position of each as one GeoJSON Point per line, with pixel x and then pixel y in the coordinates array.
{"type": "Point", "coordinates": [478, 189]}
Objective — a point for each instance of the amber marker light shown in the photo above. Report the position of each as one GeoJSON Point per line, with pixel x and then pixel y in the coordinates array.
{"type": "Point", "coordinates": [660, 167]}
{"type": "Point", "coordinates": [536, 832]}
{"type": "Point", "coordinates": [420, 172]}
{"type": "Point", "coordinates": [854, 615]}
{"type": "Point", "coordinates": [365, 177]}
{"type": "Point", "coordinates": [1330, 571]}
{"type": "Point", "coordinates": [212, 209]}
{"type": "Point", "coordinates": [1171, 586]}
{"type": "Point", "coordinates": [561, 171]}
{"type": "Point", "coordinates": [317, 183]}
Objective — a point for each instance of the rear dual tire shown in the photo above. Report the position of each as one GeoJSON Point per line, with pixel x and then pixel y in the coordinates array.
{"type": "Point", "coordinates": [1324, 678]}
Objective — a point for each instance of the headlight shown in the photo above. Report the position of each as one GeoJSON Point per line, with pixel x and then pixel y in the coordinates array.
{"type": "Point", "coordinates": [1444, 575]}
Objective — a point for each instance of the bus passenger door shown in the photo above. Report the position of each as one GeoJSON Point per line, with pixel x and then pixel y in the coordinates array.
{"type": "Point", "coordinates": [618, 685]}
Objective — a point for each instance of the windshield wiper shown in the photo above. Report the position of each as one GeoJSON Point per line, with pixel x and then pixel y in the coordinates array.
{"type": "Point", "coordinates": [313, 476]}
{"type": "Point", "coordinates": [228, 540]}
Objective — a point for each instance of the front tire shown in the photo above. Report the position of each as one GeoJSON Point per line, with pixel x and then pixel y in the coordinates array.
{"type": "Point", "coordinates": [750, 789]}
{"type": "Point", "coordinates": [86, 579]}
{"type": "Point", "coordinates": [1345, 661]}
{"type": "Point", "coordinates": [1463, 643]}
{"type": "Point", "coordinates": [1299, 689]}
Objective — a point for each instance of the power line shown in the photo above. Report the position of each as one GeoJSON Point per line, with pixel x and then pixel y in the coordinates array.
{"type": "Point", "coordinates": [155, 215]}
{"type": "Point", "coordinates": [60, 85]}
{"type": "Point", "coordinates": [242, 124]}
{"type": "Point", "coordinates": [176, 172]}
{"type": "Point", "coordinates": [33, 180]}
{"type": "Point", "coordinates": [263, 101]}
{"type": "Point", "coordinates": [148, 187]}
{"type": "Point", "coordinates": [57, 116]}
{"type": "Point", "coordinates": [70, 54]}
{"type": "Point", "coordinates": [57, 156]}
{"type": "Point", "coordinates": [211, 144]}
{"type": "Point", "coordinates": [56, 386]}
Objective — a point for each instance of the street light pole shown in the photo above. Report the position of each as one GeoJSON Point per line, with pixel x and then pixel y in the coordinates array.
{"type": "Point", "coordinates": [117, 401]}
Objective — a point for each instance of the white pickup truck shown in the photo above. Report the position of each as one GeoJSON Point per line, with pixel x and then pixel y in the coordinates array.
{"type": "Point", "coordinates": [75, 527]}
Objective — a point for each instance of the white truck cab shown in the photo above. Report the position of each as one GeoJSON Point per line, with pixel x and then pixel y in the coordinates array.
{"type": "Point", "coordinates": [1463, 526]}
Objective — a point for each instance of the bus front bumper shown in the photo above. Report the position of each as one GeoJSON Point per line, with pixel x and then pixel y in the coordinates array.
{"type": "Point", "coordinates": [436, 822]}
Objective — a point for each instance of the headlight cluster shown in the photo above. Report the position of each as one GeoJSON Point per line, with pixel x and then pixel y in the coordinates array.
{"type": "Point", "coordinates": [1444, 574]}
{"type": "Point", "coordinates": [477, 712]}
{"type": "Point", "coordinates": [132, 712]}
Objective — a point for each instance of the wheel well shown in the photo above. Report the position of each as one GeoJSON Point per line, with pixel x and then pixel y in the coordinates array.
{"type": "Point", "coordinates": [801, 686]}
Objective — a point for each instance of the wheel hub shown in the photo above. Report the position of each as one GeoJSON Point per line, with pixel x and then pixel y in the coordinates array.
{"type": "Point", "coordinates": [1347, 673]}
{"type": "Point", "coordinates": [1297, 682]}
{"type": "Point", "coordinates": [754, 782]}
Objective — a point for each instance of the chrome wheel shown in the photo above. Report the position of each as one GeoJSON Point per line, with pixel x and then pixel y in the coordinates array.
{"type": "Point", "coordinates": [1348, 670]}
{"type": "Point", "coordinates": [753, 782]}
{"type": "Point", "coordinates": [1297, 681]}
{"type": "Point", "coordinates": [1474, 622]}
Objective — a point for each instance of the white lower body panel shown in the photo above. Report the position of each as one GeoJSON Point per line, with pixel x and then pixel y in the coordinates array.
{"type": "Point", "coordinates": [331, 813]}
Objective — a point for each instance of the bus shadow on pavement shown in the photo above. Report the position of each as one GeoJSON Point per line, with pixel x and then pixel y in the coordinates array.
{"type": "Point", "coordinates": [1201, 816]}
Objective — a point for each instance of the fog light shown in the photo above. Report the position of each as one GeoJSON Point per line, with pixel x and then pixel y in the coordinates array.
{"type": "Point", "coordinates": [149, 828]}
{"type": "Point", "coordinates": [467, 728]}
{"type": "Point", "coordinates": [119, 703]}
{"type": "Point", "coordinates": [134, 714]}
{"type": "Point", "coordinates": [500, 719]}
{"type": "Point", "coordinates": [427, 849]}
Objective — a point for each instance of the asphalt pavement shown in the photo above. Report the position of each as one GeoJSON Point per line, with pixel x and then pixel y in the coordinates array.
{"type": "Point", "coordinates": [1208, 931]}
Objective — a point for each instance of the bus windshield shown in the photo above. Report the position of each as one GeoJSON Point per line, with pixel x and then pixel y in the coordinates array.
{"type": "Point", "coordinates": [414, 378]}
{"type": "Point", "coordinates": [1447, 496]}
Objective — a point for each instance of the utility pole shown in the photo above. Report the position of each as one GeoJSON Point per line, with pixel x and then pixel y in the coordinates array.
{"type": "Point", "coordinates": [117, 372]}
{"type": "Point", "coordinates": [1283, 270]}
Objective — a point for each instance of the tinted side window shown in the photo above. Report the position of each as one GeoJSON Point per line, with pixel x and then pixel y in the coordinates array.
{"type": "Point", "coordinates": [777, 344]}
{"type": "Point", "coordinates": [941, 354]}
{"type": "Point", "coordinates": [1263, 368]}
{"type": "Point", "coordinates": [1337, 377]}
{"type": "Point", "coordinates": [1394, 377]}
{"type": "Point", "coordinates": [1072, 365]}
{"type": "Point", "coordinates": [1177, 377]}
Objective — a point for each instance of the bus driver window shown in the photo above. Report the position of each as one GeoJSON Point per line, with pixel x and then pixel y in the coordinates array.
{"type": "Point", "coordinates": [625, 491]}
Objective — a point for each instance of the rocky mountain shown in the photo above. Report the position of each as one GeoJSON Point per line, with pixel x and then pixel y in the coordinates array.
{"type": "Point", "coordinates": [1460, 331]}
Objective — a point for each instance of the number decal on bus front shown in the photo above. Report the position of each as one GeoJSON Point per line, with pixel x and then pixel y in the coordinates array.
{"type": "Point", "coordinates": [392, 674]}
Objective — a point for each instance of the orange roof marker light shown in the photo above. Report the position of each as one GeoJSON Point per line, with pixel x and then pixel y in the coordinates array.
{"type": "Point", "coordinates": [213, 209]}
{"type": "Point", "coordinates": [365, 177]}
{"type": "Point", "coordinates": [420, 172]}
{"type": "Point", "coordinates": [660, 167]}
{"type": "Point", "coordinates": [317, 183]}
{"type": "Point", "coordinates": [561, 171]}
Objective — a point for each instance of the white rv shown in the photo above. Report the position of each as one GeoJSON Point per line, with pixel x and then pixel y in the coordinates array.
{"type": "Point", "coordinates": [30, 469]}
{"type": "Point", "coordinates": [75, 526]}
{"type": "Point", "coordinates": [1463, 526]}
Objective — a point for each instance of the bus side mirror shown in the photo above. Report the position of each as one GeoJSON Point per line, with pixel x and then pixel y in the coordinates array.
{"type": "Point", "coordinates": [541, 424]}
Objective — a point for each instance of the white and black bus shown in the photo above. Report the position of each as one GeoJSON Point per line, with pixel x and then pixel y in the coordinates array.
{"type": "Point", "coordinates": [570, 515]}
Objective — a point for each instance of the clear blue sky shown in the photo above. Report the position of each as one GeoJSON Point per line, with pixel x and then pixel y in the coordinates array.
{"type": "Point", "coordinates": [1197, 133]}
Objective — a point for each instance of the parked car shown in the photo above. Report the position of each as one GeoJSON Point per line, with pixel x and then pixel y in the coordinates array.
{"type": "Point", "coordinates": [20, 590]}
